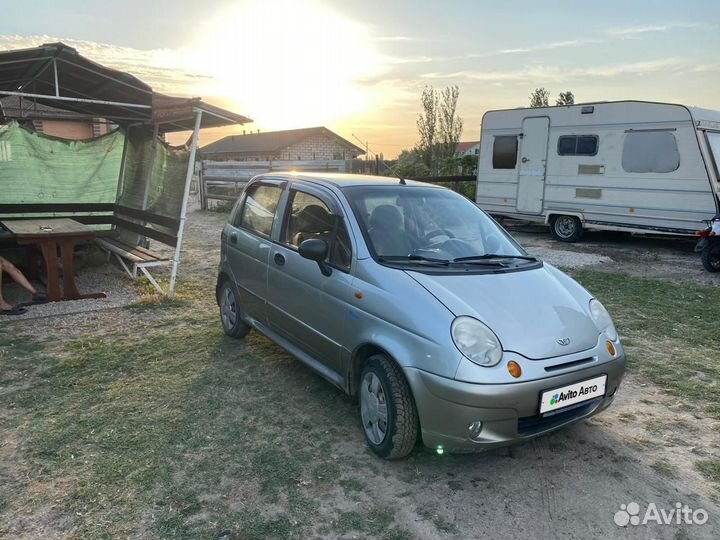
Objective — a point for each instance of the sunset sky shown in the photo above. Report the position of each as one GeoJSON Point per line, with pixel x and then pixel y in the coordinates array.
{"type": "Point", "coordinates": [358, 66]}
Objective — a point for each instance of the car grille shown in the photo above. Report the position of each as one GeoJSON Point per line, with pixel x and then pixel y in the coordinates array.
{"type": "Point", "coordinates": [530, 425]}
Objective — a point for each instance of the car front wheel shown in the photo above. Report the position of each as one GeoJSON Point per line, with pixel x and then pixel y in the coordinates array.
{"type": "Point", "coordinates": [387, 409]}
{"type": "Point", "coordinates": [232, 323]}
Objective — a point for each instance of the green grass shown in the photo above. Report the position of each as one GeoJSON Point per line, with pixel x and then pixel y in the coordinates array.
{"type": "Point", "coordinates": [663, 468]}
{"type": "Point", "coordinates": [669, 331]}
{"type": "Point", "coordinates": [710, 468]}
{"type": "Point", "coordinates": [163, 427]}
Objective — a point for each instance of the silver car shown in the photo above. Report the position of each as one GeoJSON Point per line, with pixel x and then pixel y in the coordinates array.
{"type": "Point", "coordinates": [420, 306]}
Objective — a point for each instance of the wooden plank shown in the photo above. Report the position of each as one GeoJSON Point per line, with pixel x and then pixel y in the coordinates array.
{"type": "Point", "coordinates": [46, 227]}
{"type": "Point", "coordinates": [147, 231]}
{"type": "Point", "coordinates": [156, 219]}
{"type": "Point", "coordinates": [55, 207]}
{"type": "Point", "coordinates": [137, 251]}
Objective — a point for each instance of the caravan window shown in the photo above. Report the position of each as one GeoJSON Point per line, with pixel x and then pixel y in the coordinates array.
{"type": "Point", "coordinates": [713, 139]}
{"type": "Point", "coordinates": [650, 152]}
{"type": "Point", "coordinates": [505, 149]}
{"type": "Point", "coordinates": [577, 145]}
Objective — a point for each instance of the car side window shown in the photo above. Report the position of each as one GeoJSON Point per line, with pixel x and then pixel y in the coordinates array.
{"type": "Point", "coordinates": [309, 217]}
{"type": "Point", "coordinates": [258, 212]}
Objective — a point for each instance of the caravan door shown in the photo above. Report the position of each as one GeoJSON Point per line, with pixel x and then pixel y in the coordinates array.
{"type": "Point", "coordinates": [533, 160]}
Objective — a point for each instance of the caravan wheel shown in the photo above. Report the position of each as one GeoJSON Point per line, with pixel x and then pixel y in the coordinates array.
{"type": "Point", "coordinates": [566, 228]}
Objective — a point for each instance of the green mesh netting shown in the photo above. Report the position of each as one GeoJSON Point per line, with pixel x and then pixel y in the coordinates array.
{"type": "Point", "coordinates": [37, 169]}
{"type": "Point", "coordinates": [154, 177]}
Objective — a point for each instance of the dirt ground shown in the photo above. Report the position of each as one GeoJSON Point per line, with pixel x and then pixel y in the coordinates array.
{"type": "Point", "coordinates": [662, 257]}
{"type": "Point", "coordinates": [566, 485]}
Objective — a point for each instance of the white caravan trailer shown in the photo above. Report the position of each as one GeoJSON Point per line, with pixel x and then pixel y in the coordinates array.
{"type": "Point", "coordinates": [626, 165]}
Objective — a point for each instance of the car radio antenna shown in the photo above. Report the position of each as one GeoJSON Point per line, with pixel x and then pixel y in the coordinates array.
{"type": "Point", "coordinates": [402, 181]}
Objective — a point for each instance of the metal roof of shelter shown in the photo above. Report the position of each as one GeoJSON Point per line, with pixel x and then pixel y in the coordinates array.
{"type": "Point", "coordinates": [56, 75]}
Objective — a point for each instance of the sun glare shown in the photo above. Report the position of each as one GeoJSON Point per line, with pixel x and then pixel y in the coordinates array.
{"type": "Point", "coordinates": [289, 64]}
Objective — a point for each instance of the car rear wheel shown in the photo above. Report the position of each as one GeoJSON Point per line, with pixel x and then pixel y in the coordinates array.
{"type": "Point", "coordinates": [566, 228]}
{"type": "Point", "coordinates": [711, 257]}
{"type": "Point", "coordinates": [387, 409]}
{"type": "Point", "coordinates": [232, 323]}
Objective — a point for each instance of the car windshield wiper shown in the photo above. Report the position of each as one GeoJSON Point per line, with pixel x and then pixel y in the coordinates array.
{"type": "Point", "coordinates": [485, 257]}
{"type": "Point", "coordinates": [413, 259]}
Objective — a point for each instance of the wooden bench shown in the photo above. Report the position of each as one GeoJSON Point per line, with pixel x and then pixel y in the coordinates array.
{"type": "Point", "coordinates": [132, 256]}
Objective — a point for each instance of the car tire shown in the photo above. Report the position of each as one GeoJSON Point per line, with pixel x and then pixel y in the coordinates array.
{"type": "Point", "coordinates": [229, 302]}
{"type": "Point", "coordinates": [382, 383]}
{"type": "Point", "coordinates": [711, 257]}
{"type": "Point", "coordinates": [566, 228]}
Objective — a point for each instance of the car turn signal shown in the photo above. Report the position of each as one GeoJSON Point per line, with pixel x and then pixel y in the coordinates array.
{"type": "Point", "coordinates": [514, 369]}
{"type": "Point", "coordinates": [610, 348]}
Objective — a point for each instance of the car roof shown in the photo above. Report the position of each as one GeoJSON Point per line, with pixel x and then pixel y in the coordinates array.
{"type": "Point", "coordinates": [341, 180]}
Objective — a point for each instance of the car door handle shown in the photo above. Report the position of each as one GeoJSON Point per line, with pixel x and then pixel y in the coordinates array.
{"type": "Point", "coordinates": [233, 238]}
{"type": "Point", "coordinates": [279, 259]}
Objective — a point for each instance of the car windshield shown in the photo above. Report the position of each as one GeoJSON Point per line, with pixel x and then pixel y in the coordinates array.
{"type": "Point", "coordinates": [428, 225]}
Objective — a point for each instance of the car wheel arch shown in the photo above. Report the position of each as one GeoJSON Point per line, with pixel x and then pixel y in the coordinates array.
{"type": "Point", "coordinates": [360, 356]}
{"type": "Point", "coordinates": [222, 278]}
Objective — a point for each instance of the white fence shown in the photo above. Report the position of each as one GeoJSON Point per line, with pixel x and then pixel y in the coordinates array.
{"type": "Point", "coordinates": [224, 180]}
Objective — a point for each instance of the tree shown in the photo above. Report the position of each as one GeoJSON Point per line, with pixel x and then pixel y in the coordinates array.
{"type": "Point", "coordinates": [409, 165]}
{"type": "Point", "coordinates": [427, 126]}
{"type": "Point", "coordinates": [565, 98]}
{"type": "Point", "coordinates": [451, 125]}
{"type": "Point", "coordinates": [539, 98]}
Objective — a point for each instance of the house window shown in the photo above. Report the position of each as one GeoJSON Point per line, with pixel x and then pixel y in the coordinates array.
{"type": "Point", "coordinates": [650, 152]}
{"type": "Point", "coordinates": [577, 145]}
{"type": "Point", "coordinates": [505, 149]}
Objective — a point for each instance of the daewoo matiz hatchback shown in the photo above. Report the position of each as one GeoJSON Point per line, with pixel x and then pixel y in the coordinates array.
{"type": "Point", "coordinates": [416, 303]}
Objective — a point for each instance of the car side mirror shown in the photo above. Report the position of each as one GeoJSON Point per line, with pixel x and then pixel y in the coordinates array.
{"type": "Point", "coordinates": [316, 250]}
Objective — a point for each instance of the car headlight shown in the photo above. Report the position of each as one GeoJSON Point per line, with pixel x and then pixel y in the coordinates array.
{"type": "Point", "coordinates": [602, 319]}
{"type": "Point", "coordinates": [476, 341]}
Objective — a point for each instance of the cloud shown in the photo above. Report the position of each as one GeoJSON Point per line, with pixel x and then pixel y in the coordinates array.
{"type": "Point", "coordinates": [396, 38]}
{"type": "Point", "coordinates": [549, 73]}
{"type": "Point", "coordinates": [632, 31]}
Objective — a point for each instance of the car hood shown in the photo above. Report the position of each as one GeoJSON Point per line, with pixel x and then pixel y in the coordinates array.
{"type": "Point", "coordinates": [530, 311]}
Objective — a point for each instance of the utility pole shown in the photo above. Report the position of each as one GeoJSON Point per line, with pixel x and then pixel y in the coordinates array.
{"type": "Point", "coordinates": [367, 155]}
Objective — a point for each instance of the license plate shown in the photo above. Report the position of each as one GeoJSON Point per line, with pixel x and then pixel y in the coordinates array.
{"type": "Point", "coordinates": [572, 394]}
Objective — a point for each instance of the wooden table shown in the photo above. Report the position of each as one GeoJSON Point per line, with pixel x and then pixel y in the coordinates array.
{"type": "Point", "coordinates": [51, 235]}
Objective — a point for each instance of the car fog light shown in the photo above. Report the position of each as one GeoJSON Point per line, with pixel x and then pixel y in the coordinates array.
{"type": "Point", "coordinates": [474, 430]}
{"type": "Point", "coordinates": [514, 369]}
{"type": "Point", "coordinates": [610, 348]}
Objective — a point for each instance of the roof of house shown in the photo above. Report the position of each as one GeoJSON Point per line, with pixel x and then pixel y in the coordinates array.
{"type": "Point", "coordinates": [464, 146]}
{"type": "Point", "coordinates": [270, 141]}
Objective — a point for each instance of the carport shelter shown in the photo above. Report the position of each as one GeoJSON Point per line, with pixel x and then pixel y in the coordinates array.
{"type": "Point", "coordinates": [129, 184]}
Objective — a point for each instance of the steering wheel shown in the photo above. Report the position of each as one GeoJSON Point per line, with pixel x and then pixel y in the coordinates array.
{"type": "Point", "coordinates": [439, 232]}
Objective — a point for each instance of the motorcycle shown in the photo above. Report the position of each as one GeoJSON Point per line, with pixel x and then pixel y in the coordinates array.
{"type": "Point", "coordinates": [709, 245]}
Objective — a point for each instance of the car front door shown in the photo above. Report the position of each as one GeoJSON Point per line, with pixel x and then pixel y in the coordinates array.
{"type": "Point", "coordinates": [304, 305]}
{"type": "Point", "coordinates": [249, 244]}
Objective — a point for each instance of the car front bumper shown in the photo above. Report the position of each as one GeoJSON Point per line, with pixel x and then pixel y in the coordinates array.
{"type": "Point", "coordinates": [509, 412]}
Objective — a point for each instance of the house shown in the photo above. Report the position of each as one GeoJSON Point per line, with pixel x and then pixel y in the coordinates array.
{"type": "Point", "coordinates": [51, 120]}
{"type": "Point", "coordinates": [468, 148]}
{"type": "Point", "coordinates": [307, 144]}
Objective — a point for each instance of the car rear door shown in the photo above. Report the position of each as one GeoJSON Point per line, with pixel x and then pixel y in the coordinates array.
{"type": "Point", "coordinates": [304, 305]}
{"type": "Point", "coordinates": [249, 243]}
